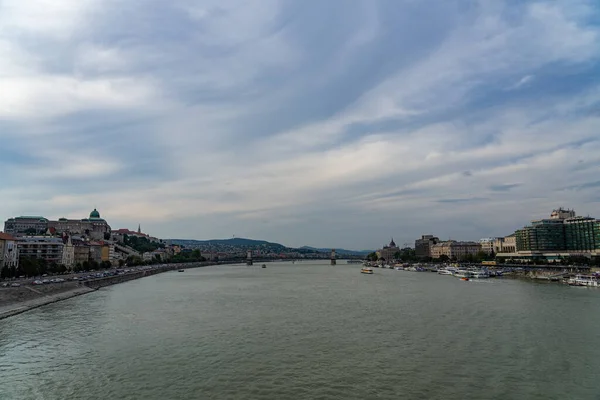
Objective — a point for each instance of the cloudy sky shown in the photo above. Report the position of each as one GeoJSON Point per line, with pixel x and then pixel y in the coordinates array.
{"type": "Point", "coordinates": [325, 123]}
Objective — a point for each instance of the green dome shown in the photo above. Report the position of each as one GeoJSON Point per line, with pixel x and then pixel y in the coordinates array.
{"type": "Point", "coordinates": [95, 214]}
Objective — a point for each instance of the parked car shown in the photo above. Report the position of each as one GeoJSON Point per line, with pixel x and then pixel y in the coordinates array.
{"type": "Point", "coordinates": [15, 284]}
{"type": "Point", "coordinates": [37, 282]}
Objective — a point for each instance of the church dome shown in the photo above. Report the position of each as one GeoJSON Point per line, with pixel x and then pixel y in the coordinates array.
{"type": "Point", "coordinates": [392, 244]}
{"type": "Point", "coordinates": [95, 214]}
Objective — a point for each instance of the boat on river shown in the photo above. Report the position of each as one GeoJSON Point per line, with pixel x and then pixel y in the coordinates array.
{"type": "Point", "coordinates": [264, 266]}
{"type": "Point", "coordinates": [480, 274]}
{"type": "Point", "coordinates": [181, 270]}
{"type": "Point", "coordinates": [366, 270]}
{"type": "Point", "coordinates": [584, 280]}
{"type": "Point", "coordinates": [463, 273]}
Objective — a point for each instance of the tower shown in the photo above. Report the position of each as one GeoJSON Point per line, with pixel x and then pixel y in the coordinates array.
{"type": "Point", "coordinates": [139, 228]}
{"type": "Point", "coordinates": [249, 258]}
{"type": "Point", "coordinates": [333, 262]}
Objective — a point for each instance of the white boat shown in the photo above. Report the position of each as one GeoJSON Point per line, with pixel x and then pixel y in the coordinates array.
{"type": "Point", "coordinates": [444, 271]}
{"type": "Point", "coordinates": [399, 269]}
{"type": "Point", "coordinates": [480, 274]}
{"type": "Point", "coordinates": [387, 266]}
{"type": "Point", "coordinates": [366, 270]}
{"type": "Point", "coordinates": [463, 273]}
{"type": "Point", "coordinates": [584, 280]}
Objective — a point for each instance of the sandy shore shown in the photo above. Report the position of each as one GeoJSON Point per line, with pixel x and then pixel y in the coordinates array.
{"type": "Point", "coordinates": [14, 301]}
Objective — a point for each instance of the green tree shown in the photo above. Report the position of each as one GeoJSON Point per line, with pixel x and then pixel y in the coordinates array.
{"type": "Point", "coordinates": [444, 258]}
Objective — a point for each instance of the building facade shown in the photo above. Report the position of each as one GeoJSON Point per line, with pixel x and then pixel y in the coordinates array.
{"type": "Point", "coordinates": [582, 234]}
{"type": "Point", "coordinates": [41, 248]}
{"type": "Point", "coordinates": [488, 245]}
{"type": "Point", "coordinates": [423, 245]}
{"type": "Point", "coordinates": [455, 250]}
{"type": "Point", "coordinates": [388, 252]}
{"type": "Point", "coordinates": [68, 254]}
{"type": "Point", "coordinates": [94, 227]}
{"type": "Point", "coordinates": [26, 225]}
{"type": "Point", "coordinates": [9, 255]}
{"type": "Point", "coordinates": [81, 252]}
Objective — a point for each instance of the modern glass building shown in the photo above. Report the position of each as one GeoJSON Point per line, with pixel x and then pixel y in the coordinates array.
{"type": "Point", "coordinates": [582, 234]}
{"type": "Point", "coordinates": [545, 235]}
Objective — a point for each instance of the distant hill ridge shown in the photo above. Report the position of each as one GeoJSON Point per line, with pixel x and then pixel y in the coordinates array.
{"type": "Point", "coordinates": [257, 243]}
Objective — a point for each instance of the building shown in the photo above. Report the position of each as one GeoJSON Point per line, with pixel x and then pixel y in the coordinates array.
{"type": "Point", "coordinates": [26, 225]}
{"type": "Point", "coordinates": [544, 235]}
{"type": "Point", "coordinates": [455, 250]}
{"type": "Point", "coordinates": [68, 254]}
{"type": "Point", "coordinates": [582, 234]}
{"type": "Point", "coordinates": [49, 249]}
{"type": "Point", "coordinates": [81, 252]}
{"type": "Point", "coordinates": [388, 252]}
{"type": "Point", "coordinates": [94, 227]}
{"type": "Point", "coordinates": [9, 255]}
{"type": "Point", "coordinates": [562, 235]}
{"type": "Point", "coordinates": [505, 244]}
{"type": "Point", "coordinates": [423, 245]}
{"type": "Point", "coordinates": [95, 252]}
{"type": "Point", "coordinates": [488, 245]}
{"type": "Point", "coordinates": [119, 235]}
{"type": "Point", "coordinates": [562, 214]}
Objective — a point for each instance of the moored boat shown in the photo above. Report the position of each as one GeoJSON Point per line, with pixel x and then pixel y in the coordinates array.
{"type": "Point", "coordinates": [584, 280]}
{"type": "Point", "coordinates": [366, 270]}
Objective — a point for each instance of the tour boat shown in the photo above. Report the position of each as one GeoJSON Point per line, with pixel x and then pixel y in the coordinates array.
{"type": "Point", "coordinates": [584, 280]}
{"type": "Point", "coordinates": [366, 270]}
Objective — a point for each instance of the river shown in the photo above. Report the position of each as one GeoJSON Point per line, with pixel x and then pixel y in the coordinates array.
{"type": "Point", "coordinates": [307, 331]}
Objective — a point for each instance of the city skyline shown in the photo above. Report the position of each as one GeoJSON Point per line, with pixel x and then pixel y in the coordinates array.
{"type": "Point", "coordinates": [205, 120]}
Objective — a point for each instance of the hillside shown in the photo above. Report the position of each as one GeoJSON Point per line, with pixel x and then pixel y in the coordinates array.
{"type": "Point", "coordinates": [339, 251]}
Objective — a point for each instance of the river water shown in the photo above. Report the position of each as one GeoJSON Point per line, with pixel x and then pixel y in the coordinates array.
{"type": "Point", "coordinates": [307, 331]}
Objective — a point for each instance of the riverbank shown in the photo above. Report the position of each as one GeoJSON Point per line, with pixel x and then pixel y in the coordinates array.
{"type": "Point", "coordinates": [17, 300]}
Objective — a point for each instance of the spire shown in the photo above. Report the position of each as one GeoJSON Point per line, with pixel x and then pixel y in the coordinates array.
{"type": "Point", "coordinates": [139, 228]}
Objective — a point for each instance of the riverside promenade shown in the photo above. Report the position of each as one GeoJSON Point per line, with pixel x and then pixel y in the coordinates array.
{"type": "Point", "coordinates": [17, 300]}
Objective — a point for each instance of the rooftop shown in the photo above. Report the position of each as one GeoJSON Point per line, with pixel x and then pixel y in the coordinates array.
{"type": "Point", "coordinates": [6, 236]}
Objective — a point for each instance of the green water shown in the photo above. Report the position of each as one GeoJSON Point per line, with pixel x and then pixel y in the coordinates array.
{"type": "Point", "coordinates": [307, 331]}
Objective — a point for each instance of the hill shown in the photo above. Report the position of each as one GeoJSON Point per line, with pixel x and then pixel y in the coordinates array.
{"type": "Point", "coordinates": [237, 242]}
{"type": "Point", "coordinates": [339, 251]}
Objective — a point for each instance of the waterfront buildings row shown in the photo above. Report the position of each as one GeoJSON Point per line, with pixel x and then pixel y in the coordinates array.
{"type": "Point", "coordinates": [563, 234]}
{"type": "Point", "coordinates": [69, 242]}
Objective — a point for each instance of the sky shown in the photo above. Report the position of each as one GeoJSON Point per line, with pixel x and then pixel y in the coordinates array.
{"type": "Point", "coordinates": [335, 123]}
